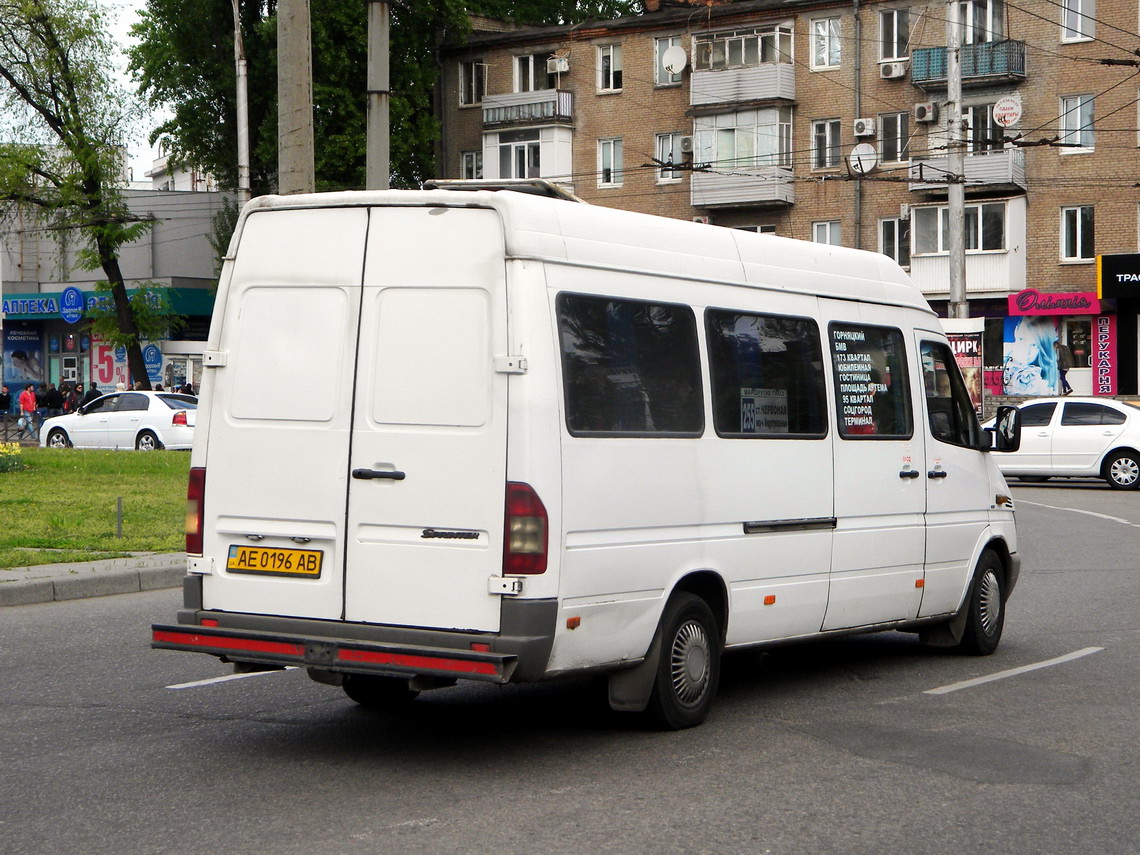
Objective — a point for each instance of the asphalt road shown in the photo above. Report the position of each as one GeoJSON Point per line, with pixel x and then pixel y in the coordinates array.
{"type": "Point", "coordinates": [836, 747]}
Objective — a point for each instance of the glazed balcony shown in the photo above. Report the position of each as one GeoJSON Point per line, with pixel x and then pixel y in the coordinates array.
{"type": "Point", "coordinates": [771, 185]}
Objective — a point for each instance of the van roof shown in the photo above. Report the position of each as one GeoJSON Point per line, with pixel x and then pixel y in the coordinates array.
{"type": "Point", "coordinates": [563, 231]}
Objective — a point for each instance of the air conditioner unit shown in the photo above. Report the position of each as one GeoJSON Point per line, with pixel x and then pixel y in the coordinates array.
{"type": "Point", "coordinates": [704, 220]}
{"type": "Point", "coordinates": [864, 127]}
{"type": "Point", "coordinates": [904, 211]}
{"type": "Point", "coordinates": [686, 145]}
{"type": "Point", "coordinates": [892, 70]}
{"type": "Point", "coordinates": [926, 111]}
{"type": "Point", "coordinates": [558, 65]}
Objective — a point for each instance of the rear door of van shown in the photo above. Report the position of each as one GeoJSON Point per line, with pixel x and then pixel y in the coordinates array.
{"type": "Point", "coordinates": [357, 434]}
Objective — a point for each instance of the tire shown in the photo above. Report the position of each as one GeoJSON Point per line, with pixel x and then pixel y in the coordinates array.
{"type": "Point", "coordinates": [1034, 479]}
{"type": "Point", "coordinates": [985, 617]}
{"type": "Point", "coordinates": [58, 439]}
{"type": "Point", "coordinates": [381, 693]}
{"type": "Point", "coordinates": [1122, 470]}
{"type": "Point", "coordinates": [689, 669]}
{"type": "Point", "coordinates": [147, 441]}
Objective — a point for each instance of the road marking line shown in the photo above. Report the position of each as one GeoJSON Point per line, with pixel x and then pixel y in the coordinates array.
{"type": "Point", "coordinates": [1079, 511]}
{"type": "Point", "coordinates": [1013, 672]}
{"type": "Point", "coordinates": [226, 678]}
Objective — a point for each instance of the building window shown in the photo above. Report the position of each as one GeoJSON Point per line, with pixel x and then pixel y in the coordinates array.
{"type": "Point", "coordinates": [609, 163]}
{"type": "Point", "coordinates": [1077, 124]}
{"type": "Point", "coordinates": [661, 75]}
{"type": "Point", "coordinates": [894, 137]}
{"type": "Point", "coordinates": [983, 21]}
{"type": "Point", "coordinates": [531, 74]}
{"type": "Point", "coordinates": [894, 34]}
{"type": "Point", "coordinates": [609, 68]}
{"type": "Point", "coordinates": [894, 240]}
{"type": "Point", "coordinates": [472, 164]}
{"type": "Point", "coordinates": [825, 144]}
{"type": "Point", "coordinates": [742, 48]}
{"type": "Point", "coordinates": [669, 153]}
{"type": "Point", "coordinates": [472, 81]}
{"type": "Point", "coordinates": [826, 232]}
{"type": "Point", "coordinates": [984, 228]}
{"type": "Point", "coordinates": [519, 154]}
{"type": "Point", "coordinates": [825, 43]}
{"type": "Point", "coordinates": [983, 134]}
{"type": "Point", "coordinates": [747, 139]}
{"type": "Point", "coordinates": [1077, 234]}
{"type": "Point", "coordinates": [1078, 20]}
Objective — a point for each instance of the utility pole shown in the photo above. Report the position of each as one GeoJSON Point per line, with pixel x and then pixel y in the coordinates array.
{"type": "Point", "coordinates": [295, 159]}
{"type": "Point", "coordinates": [377, 166]}
{"type": "Point", "coordinates": [955, 163]}
{"type": "Point", "coordinates": [243, 191]}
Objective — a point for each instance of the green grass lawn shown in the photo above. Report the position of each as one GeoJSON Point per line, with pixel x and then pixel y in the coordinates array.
{"type": "Point", "coordinates": [61, 505]}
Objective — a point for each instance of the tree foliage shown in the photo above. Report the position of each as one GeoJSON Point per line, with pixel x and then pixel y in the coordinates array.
{"type": "Point", "coordinates": [65, 120]}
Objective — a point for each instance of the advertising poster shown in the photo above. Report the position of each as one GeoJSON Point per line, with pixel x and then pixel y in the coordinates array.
{"type": "Point", "coordinates": [1104, 355]}
{"type": "Point", "coordinates": [966, 340]}
{"type": "Point", "coordinates": [23, 356]}
{"type": "Point", "coordinates": [108, 365]}
{"type": "Point", "coordinates": [1030, 364]}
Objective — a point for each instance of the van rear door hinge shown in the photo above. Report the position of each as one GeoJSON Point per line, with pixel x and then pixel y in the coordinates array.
{"type": "Point", "coordinates": [510, 365]}
{"type": "Point", "coordinates": [510, 586]}
{"type": "Point", "coordinates": [214, 358]}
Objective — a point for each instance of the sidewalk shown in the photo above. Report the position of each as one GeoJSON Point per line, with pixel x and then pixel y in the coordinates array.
{"type": "Point", "coordinates": [20, 586]}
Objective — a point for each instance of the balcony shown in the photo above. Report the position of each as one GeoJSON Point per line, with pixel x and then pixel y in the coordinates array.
{"type": "Point", "coordinates": [771, 185]}
{"type": "Point", "coordinates": [771, 80]}
{"type": "Point", "coordinates": [987, 62]}
{"type": "Point", "coordinates": [1002, 170]}
{"type": "Point", "coordinates": [545, 106]}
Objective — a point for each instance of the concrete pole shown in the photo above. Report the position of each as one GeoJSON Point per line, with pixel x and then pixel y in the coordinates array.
{"type": "Point", "coordinates": [956, 163]}
{"type": "Point", "coordinates": [243, 191]}
{"type": "Point", "coordinates": [377, 165]}
{"type": "Point", "coordinates": [295, 159]}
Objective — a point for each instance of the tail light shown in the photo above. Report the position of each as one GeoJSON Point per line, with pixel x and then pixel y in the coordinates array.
{"type": "Point", "coordinates": [179, 418]}
{"type": "Point", "coordinates": [195, 499]}
{"type": "Point", "coordinates": [525, 535]}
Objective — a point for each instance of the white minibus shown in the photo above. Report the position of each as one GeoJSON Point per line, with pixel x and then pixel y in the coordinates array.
{"type": "Point", "coordinates": [479, 434]}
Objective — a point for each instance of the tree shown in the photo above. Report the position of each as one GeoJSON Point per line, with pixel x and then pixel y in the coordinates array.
{"type": "Point", "coordinates": [67, 120]}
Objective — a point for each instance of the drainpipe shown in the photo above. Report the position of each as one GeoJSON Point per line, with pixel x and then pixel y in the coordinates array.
{"type": "Point", "coordinates": [858, 111]}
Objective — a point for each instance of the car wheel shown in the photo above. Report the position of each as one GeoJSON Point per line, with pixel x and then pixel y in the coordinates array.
{"type": "Point", "coordinates": [1034, 479]}
{"type": "Point", "coordinates": [985, 616]}
{"type": "Point", "coordinates": [58, 439]}
{"type": "Point", "coordinates": [1122, 471]}
{"type": "Point", "coordinates": [385, 693]}
{"type": "Point", "coordinates": [689, 668]}
{"type": "Point", "coordinates": [147, 441]}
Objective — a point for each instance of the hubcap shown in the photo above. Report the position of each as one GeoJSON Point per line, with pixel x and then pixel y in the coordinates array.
{"type": "Point", "coordinates": [1125, 471]}
{"type": "Point", "coordinates": [689, 663]}
{"type": "Point", "coordinates": [989, 602]}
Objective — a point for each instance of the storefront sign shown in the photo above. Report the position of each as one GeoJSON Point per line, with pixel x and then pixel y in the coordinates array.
{"type": "Point", "coordinates": [1033, 302]}
{"type": "Point", "coordinates": [71, 304]}
{"type": "Point", "coordinates": [1118, 276]}
{"type": "Point", "coordinates": [1104, 355]}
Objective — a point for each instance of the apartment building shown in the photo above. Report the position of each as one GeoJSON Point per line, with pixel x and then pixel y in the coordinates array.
{"type": "Point", "coordinates": [828, 122]}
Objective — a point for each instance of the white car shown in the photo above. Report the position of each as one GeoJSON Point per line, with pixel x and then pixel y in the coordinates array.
{"type": "Point", "coordinates": [142, 420]}
{"type": "Point", "coordinates": [1077, 437]}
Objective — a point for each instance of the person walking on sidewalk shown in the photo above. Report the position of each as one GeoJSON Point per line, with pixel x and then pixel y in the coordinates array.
{"type": "Point", "coordinates": [28, 411]}
{"type": "Point", "coordinates": [1064, 363]}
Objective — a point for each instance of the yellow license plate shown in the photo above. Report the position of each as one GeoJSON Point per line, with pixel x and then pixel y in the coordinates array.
{"type": "Point", "coordinates": [275, 562]}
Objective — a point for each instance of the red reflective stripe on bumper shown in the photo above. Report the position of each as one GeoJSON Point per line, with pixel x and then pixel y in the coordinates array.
{"type": "Point", "coordinates": [249, 645]}
{"type": "Point", "coordinates": [430, 663]}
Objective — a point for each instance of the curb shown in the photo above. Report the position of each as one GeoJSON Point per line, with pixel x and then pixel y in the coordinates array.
{"type": "Point", "coordinates": [94, 579]}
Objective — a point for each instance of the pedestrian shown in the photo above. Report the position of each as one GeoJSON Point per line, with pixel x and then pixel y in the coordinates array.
{"type": "Point", "coordinates": [90, 395]}
{"type": "Point", "coordinates": [158, 387]}
{"type": "Point", "coordinates": [72, 398]}
{"type": "Point", "coordinates": [53, 401]}
{"type": "Point", "coordinates": [5, 401]}
{"type": "Point", "coordinates": [27, 422]}
{"type": "Point", "coordinates": [1064, 363]}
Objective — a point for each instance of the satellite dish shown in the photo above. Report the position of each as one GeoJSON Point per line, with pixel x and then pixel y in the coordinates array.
{"type": "Point", "coordinates": [675, 59]}
{"type": "Point", "coordinates": [863, 158]}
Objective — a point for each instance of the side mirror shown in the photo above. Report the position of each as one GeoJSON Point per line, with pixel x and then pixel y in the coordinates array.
{"type": "Point", "coordinates": [1006, 431]}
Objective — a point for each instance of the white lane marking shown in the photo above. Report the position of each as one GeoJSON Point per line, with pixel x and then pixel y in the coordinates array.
{"type": "Point", "coordinates": [226, 678]}
{"type": "Point", "coordinates": [1120, 520]}
{"type": "Point", "coordinates": [1013, 672]}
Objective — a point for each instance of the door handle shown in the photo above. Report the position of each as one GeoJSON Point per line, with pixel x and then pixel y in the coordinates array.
{"type": "Point", "coordinates": [937, 473]}
{"type": "Point", "coordinates": [909, 473]}
{"type": "Point", "coordinates": [369, 474]}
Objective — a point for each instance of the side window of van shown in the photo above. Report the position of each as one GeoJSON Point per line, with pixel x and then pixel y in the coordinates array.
{"type": "Point", "coordinates": [629, 367]}
{"type": "Point", "coordinates": [767, 375]}
{"type": "Point", "coordinates": [948, 404]}
{"type": "Point", "coordinates": [872, 392]}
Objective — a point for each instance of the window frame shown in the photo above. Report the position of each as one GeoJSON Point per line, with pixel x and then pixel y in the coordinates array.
{"type": "Point", "coordinates": [609, 78]}
{"type": "Point", "coordinates": [896, 50]}
{"type": "Point", "coordinates": [919, 214]}
{"type": "Point", "coordinates": [527, 141]}
{"type": "Point", "coordinates": [1078, 105]}
{"type": "Point", "coordinates": [826, 39]}
{"type": "Point", "coordinates": [532, 75]}
{"type": "Point", "coordinates": [472, 82]}
{"type": "Point", "coordinates": [475, 159]}
{"type": "Point", "coordinates": [710, 131]}
{"type": "Point", "coordinates": [614, 146]}
{"type": "Point", "coordinates": [894, 127]}
{"type": "Point", "coordinates": [831, 229]}
{"type": "Point", "coordinates": [711, 51]}
{"type": "Point", "coordinates": [1073, 232]}
{"type": "Point", "coordinates": [983, 21]}
{"type": "Point", "coordinates": [666, 175]}
{"type": "Point", "coordinates": [1078, 21]}
{"type": "Point", "coordinates": [661, 77]}
{"type": "Point", "coordinates": [825, 143]}
{"type": "Point", "coordinates": [899, 242]}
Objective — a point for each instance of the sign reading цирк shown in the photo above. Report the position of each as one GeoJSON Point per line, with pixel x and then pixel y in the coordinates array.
{"type": "Point", "coordinates": [1118, 275]}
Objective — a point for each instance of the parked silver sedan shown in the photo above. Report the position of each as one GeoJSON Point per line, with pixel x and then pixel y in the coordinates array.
{"type": "Point", "coordinates": [142, 420]}
{"type": "Point", "coordinates": [1077, 437]}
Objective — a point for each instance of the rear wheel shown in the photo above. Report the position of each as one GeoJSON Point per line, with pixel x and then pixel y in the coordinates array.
{"type": "Point", "coordinates": [1122, 471]}
{"type": "Point", "coordinates": [689, 668]}
{"type": "Point", "coordinates": [147, 441]}
{"type": "Point", "coordinates": [985, 616]}
{"type": "Point", "coordinates": [58, 439]}
{"type": "Point", "coordinates": [378, 692]}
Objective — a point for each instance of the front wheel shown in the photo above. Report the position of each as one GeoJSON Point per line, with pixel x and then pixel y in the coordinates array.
{"type": "Point", "coordinates": [689, 668]}
{"type": "Point", "coordinates": [1122, 471]}
{"type": "Point", "coordinates": [147, 441]}
{"type": "Point", "coordinates": [985, 616]}
{"type": "Point", "coordinates": [58, 439]}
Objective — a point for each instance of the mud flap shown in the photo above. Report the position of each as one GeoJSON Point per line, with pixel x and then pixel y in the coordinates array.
{"type": "Point", "coordinates": [948, 633]}
{"type": "Point", "coordinates": [630, 688]}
